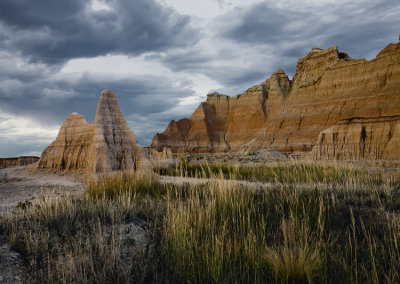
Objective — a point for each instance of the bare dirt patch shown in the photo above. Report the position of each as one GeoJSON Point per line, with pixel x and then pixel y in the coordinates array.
{"type": "Point", "coordinates": [19, 184]}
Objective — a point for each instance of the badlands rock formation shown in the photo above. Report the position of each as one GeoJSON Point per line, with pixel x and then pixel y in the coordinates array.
{"type": "Point", "coordinates": [17, 161]}
{"type": "Point", "coordinates": [107, 144]}
{"type": "Point", "coordinates": [360, 138]}
{"type": "Point", "coordinates": [342, 108]}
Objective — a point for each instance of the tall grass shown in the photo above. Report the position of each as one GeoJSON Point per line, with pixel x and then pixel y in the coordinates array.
{"type": "Point", "coordinates": [225, 233]}
{"type": "Point", "coordinates": [86, 240]}
{"type": "Point", "coordinates": [113, 186]}
{"type": "Point", "coordinates": [299, 230]}
{"type": "Point", "coordinates": [285, 172]}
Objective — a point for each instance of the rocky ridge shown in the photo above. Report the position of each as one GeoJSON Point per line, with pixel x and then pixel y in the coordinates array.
{"type": "Point", "coordinates": [331, 96]}
{"type": "Point", "coordinates": [107, 144]}
{"type": "Point", "coordinates": [17, 161]}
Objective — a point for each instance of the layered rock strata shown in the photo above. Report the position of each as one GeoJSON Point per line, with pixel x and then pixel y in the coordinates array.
{"type": "Point", "coordinates": [17, 161]}
{"type": "Point", "coordinates": [107, 144]}
{"type": "Point", "coordinates": [328, 90]}
{"type": "Point", "coordinates": [360, 138]}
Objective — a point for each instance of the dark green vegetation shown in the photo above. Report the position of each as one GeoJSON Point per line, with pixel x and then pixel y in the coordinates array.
{"type": "Point", "coordinates": [317, 223]}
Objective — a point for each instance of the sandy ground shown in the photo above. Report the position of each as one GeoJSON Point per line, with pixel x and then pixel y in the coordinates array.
{"type": "Point", "coordinates": [18, 184]}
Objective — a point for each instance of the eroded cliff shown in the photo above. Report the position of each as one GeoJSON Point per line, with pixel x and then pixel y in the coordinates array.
{"type": "Point", "coordinates": [327, 91]}
{"type": "Point", "coordinates": [376, 138]}
{"type": "Point", "coordinates": [17, 161]}
{"type": "Point", "coordinates": [107, 144]}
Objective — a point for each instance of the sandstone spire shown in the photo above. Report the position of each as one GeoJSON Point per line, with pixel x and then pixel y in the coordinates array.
{"type": "Point", "coordinates": [107, 144]}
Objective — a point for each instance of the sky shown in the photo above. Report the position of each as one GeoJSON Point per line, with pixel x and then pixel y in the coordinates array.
{"type": "Point", "coordinates": [160, 57]}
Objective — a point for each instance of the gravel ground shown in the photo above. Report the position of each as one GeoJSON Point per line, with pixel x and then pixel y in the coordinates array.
{"type": "Point", "coordinates": [11, 268]}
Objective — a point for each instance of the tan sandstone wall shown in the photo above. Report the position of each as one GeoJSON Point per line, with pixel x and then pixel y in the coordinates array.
{"type": "Point", "coordinates": [328, 89]}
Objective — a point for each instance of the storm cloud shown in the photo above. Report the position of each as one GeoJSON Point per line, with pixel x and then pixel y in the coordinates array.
{"type": "Point", "coordinates": [268, 35]}
{"type": "Point", "coordinates": [360, 28]}
{"type": "Point", "coordinates": [53, 31]}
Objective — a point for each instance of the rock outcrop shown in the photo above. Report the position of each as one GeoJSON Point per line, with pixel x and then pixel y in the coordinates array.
{"type": "Point", "coordinates": [17, 161]}
{"type": "Point", "coordinates": [107, 144]}
{"type": "Point", "coordinates": [328, 90]}
{"type": "Point", "coordinates": [360, 138]}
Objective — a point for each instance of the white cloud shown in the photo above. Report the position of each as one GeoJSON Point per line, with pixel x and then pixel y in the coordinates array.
{"type": "Point", "coordinates": [129, 67]}
{"type": "Point", "coordinates": [23, 136]}
{"type": "Point", "coordinates": [24, 130]}
{"type": "Point", "coordinates": [206, 10]}
{"type": "Point", "coordinates": [52, 93]}
{"type": "Point", "coordinates": [99, 5]}
{"type": "Point", "coordinates": [118, 66]}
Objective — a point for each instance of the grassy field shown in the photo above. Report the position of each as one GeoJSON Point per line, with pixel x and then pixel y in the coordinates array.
{"type": "Point", "coordinates": [317, 224]}
{"type": "Point", "coordinates": [284, 172]}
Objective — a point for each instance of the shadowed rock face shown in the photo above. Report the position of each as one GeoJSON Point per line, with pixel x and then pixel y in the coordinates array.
{"type": "Point", "coordinates": [107, 144]}
{"type": "Point", "coordinates": [327, 91]}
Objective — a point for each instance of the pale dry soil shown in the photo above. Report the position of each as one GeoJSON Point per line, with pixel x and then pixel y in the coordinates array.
{"type": "Point", "coordinates": [21, 184]}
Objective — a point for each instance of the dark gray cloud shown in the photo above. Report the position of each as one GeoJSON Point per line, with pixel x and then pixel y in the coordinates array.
{"type": "Point", "coordinates": [361, 28]}
{"type": "Point", "coordinates": [279, 35]}
{"type": "Point", "coordinates": [220, 66]}
{"type": "Point", "coordinates": [50, 101]}
{"type": "Point", "coordinates": [54, 31]}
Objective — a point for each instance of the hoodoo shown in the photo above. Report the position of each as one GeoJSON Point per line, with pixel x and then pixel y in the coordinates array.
{"type": "Point", "coordinates": [107, 144]}
{"type": "Point", "coordinates": [335, 107]}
